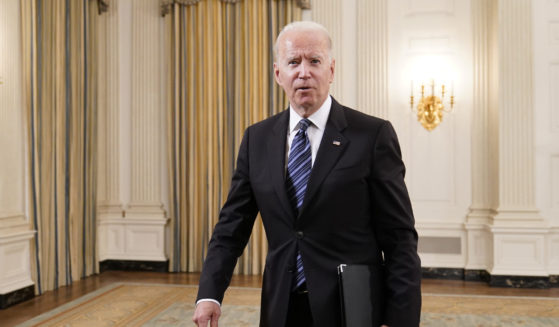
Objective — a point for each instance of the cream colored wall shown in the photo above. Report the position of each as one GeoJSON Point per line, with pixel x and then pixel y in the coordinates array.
{"type": "Point", "coordinates": [15, 266]}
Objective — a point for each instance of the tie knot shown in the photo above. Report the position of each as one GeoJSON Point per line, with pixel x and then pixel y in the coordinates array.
{"type": "Point", "coordinates": [304, 124]}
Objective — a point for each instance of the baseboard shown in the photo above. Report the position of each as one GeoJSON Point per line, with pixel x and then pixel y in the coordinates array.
{"type": "Point", "coordinates": [442, 273]}
{"type": "Point", "coordinates": [17, 296]}
{"type": "Point", "coordinates": [131, 265]}
{"type": "Point", "coordinates": [476, 275]}
{"type": "Point", "coordinates": [541, 282]}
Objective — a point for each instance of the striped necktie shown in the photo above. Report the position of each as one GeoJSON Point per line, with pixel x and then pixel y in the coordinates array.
{"type": "Point", "coordinates": [299, 166]}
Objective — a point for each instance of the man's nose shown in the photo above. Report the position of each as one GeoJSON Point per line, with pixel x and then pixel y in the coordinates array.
{"type": "Point", "coordinates": [304, 70]}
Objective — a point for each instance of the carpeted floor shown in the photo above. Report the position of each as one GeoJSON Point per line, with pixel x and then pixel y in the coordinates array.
{"type": "Point", "coordinates": [135, 304]}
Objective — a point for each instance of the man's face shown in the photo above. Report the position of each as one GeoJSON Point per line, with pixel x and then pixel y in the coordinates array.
{"type": "Point", "coordinates": [304, 69]}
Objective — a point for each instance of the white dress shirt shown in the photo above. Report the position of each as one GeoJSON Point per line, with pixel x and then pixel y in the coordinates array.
{"type": "Point", "coordinates": [314, 132]}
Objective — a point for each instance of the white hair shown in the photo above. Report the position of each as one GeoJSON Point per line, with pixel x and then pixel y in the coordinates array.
{"type": "Point", "coordinates": [304, 25]}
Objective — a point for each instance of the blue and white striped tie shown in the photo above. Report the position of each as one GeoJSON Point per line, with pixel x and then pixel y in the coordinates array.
{"type": "Point", "coordinates": [299, 166]}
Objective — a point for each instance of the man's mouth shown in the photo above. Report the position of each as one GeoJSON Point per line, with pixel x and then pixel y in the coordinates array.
{"type": "Point", "coordinates": [303, 88]}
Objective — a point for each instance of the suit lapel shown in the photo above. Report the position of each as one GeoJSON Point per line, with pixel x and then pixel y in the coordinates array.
{"type": "Point", "coordinates": [331, 147]}
{"type": "Point", "coordinates": [276, 155]}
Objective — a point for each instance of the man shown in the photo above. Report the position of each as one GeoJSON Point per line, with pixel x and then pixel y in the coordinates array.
{"type": "Point", "coordinates": [329, 184]}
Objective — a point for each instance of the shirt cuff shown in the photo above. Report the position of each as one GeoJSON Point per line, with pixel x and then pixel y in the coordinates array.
{"type": "Point", "coordinates": [208, 300]}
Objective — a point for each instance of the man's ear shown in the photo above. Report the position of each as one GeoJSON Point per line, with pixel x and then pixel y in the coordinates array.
{"type": "Point", "coordinates": [332, 68]}
{"type": "Point", "coordinates": [276, 73]}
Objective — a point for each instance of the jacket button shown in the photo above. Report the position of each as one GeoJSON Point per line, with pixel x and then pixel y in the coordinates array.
{"type": "Point", "coordinates": [300, 234]}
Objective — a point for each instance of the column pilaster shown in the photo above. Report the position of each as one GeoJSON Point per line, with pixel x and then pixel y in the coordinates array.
{"type": "Point", "coordinates": [372, 57]}
{"type": "Point", "coordinates": [478, 234]}
{"type": "Point", "coordinates": [145, 188]}
{"type": "Point", "coordinates": [519, 232]}
{"type": "Point", "coordinates": [516, 200]}
{"type": "Point", "coordinates": [110, 200]}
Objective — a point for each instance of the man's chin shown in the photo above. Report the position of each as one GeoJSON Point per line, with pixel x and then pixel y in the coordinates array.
{"type": "Point", "coordinates": [306, 107]}
{"type": "Point", "coordinates": [305, 102]}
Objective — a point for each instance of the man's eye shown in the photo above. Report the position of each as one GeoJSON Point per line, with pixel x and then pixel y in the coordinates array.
{"type": "Point", "coordinates": [315, 61]}
{"type": "Point", "coordinates": [292, 62]}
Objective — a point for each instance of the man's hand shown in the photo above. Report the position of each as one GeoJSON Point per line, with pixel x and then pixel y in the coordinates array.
{"type": "Point", "coordinates": [206, 311]}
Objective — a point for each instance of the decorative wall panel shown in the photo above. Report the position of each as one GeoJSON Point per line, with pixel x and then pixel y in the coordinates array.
{"type": "Point", "coordinates": [553, 264]}
{"type": "Point", "coordinates": [133, 239]}
{"type": "Point", "coordinates": [15, 268]}
{"type": "Point", "coordinates": [431, 166]}
{"type": "Point", "coordinates": [12, 147]}
{"type": "Point", "coordinates": [554, 95]}
{"type": "Point", "coordinates": [554, 173]}
{"type": "Point", "coordinates": [479, 249]}
{"type": "Point", "coordinates": [520, 254]}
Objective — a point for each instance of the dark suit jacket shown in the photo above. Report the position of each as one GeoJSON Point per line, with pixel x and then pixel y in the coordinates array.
{"type": "Point", "coordinates": [356, 208]}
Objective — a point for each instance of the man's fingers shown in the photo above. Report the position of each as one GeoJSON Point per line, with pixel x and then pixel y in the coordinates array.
{"type": "Point", "coordinates": [206, 312]}
{"type": "Point", "coordinates": [215, 317]}
{"type": "Point", "coordinates": [200, 321]}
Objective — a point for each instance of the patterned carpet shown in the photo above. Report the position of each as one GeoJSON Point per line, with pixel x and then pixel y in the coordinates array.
{"type": "Point", "coordinates": [135, 304]}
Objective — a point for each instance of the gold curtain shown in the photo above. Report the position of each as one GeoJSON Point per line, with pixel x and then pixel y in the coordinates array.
{"type": "Point", "coordinates": [59, 46]}
{"type": "Point", "coordinates": [221, 81]}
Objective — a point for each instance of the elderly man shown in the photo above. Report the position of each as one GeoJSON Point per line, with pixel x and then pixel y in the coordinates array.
{"type": "Point", "coordinates": [329, 184]}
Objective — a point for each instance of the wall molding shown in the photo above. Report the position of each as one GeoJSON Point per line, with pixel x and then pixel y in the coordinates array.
{"type": "Point", "coordinates": [510, 281]}
{"type": "Point", "coordinates": [15, 259]}
{"type": "Point", "coordinates": [135, 239]}
{"type": "Point", "coordinates": [13, 222]}
{"type": "Point", "coordinates": [17, 296]}
{"type": "Point", "coordinates": [131, 265]}
{"type": "Point", "coordinates": [514, 251]}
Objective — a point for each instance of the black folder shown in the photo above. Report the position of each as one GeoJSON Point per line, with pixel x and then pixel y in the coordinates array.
{"type": "Point", "coordinates": [361, 295]}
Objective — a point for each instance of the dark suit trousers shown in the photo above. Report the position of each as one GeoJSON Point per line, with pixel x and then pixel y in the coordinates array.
{"type": "Point", "coordinates": [299, 311]}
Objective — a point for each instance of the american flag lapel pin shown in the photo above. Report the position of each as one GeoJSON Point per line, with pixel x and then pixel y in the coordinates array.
{"type": "Point", "coordinates": [336, 143]}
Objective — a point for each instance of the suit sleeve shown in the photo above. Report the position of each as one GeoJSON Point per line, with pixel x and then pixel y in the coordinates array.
{"type": "Point", "coordinates": [232, 231]}
{"type": "Point", "coordinates": [395, 231]}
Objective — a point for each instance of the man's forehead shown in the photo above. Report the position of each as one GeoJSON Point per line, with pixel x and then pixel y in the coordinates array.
{"type": "Point", "coordinates": [307, 52]}
{"type": "Point", "coordinates": [303, 38]}
{"type": "Point", "coordinates": [298, 49]}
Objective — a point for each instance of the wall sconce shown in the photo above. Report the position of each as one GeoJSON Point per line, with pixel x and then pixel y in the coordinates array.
{"type": "Point", "coordinates": [430, 108]}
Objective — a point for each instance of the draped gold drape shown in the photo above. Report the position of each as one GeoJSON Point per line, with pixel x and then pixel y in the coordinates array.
{"type": "Point", "coordinates": [221, 81]}
{"type": "Point", "coordinates": [59, 47]}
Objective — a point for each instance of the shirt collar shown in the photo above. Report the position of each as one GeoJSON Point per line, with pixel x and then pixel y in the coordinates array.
{"type": "Point", "coordinates": [318, 118]}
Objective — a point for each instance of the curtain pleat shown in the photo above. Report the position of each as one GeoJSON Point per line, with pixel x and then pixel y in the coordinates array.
{"type": "Point", "coordinates": [221, 78]}
{"type": "Point", "coordinates": [59, 45]}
